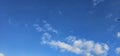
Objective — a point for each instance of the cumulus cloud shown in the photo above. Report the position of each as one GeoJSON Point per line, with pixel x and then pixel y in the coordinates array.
{"type": "Point", "coordinates": [117, 50]}
{"type": "Point", "coordinates": [118, 34]}
{"type": "Point", "coordinates": [1, 54]}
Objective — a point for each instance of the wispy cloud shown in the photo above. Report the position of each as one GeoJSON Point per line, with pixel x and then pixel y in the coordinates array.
{"type": "Point", "coordinates": [73, 45]}
{"type": "Point", "coordinates": [46, 37]}
{"type": "Point", "coordinates": [117, 50]}
{"type": "Point", "coordinates": [38, 28]}
{"type": "Point", "coordinates": [46, 28]}
{"type": "Point", "coordinates": [97, 2]}
{"type": "Point", "coordinates": [1, 54]}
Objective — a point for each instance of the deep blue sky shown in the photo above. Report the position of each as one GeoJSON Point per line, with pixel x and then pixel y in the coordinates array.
{"type": "Point", "coordinates": [80, 18]}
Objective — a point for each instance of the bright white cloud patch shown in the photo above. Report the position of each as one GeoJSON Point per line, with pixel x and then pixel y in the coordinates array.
{"type": "Point", "coordinates": [65, 46]}
{"type": "Point", "coordinates": [118, 34]}
{"type": "Point", "coordinates": [82, 47]}
{"type": "Point", "coordinates": [1, 54]}
{"type": "Point", "coordinates": [117, 50]}
{"type": "Point", "coordinates": [78, 46]}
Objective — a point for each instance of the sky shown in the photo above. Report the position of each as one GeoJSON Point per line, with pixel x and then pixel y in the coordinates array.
{"type": "Point", "coordinates": [59, 28]}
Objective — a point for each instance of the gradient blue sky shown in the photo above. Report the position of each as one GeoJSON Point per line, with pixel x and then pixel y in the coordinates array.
{"type": "Point", "coordinates": [95, 20]}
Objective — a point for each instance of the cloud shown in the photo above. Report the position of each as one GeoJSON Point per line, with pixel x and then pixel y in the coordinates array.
{"type": "Point", "coordinates": [64, 46]}
{"type": "Point", "coordinates": [46, 28]}
{"type": "Point", "coordinates": [117, 50]}
{"type": "Point", "coordinates": [78, 46]}
{"type": "Point", "coordinates": [96, 2]}
{"type": "Point", "coordinates": [82, 47]}
{"type": "Point", "coordinates": [49, 28]}
{"type": "Point", "coordinates": [1, 54]}
{"type": "Point", "coordinates": [38, 28]}
{"type": "Point", "coordinates": [46, 37]}
{"type": "Point", "coordinates": [118, 34]}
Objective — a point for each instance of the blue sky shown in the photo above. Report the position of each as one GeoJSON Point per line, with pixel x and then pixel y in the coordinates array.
{"type": "Point", "coordinates": [59, 28]}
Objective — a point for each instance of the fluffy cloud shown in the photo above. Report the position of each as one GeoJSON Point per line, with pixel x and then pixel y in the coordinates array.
{"type": "Point", "coordinates": [117, 50]}
{"type": "Point", "coordinates": [65, 46]}
{"type": "Point", "coordinates": [82, 47]}
{"type": "Point", "coordinates": [1, 54]}
{"type": "Point", "coordinates": [118, 34]}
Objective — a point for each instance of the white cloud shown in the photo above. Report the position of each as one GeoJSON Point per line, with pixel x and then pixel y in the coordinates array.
{"type": "Point", "coordinates": [117, 50]}
{"type": "Point", "coordinates": [71, 38]}
{"type": "Point", "coordinates": [118, 34]}
{"type": "Point", "coordinates": [65, 46]}
{"type": "Point", "coordinates": [82, 47]}
{"type": "Point", "coordinates": [38, 28]}
{"type": "Point", "coordinates": [100, 49]}
{"type": "Point", "coordinates": [78, 46]}
{"type": "Point", "coordinates": [46, 37]}
{"type": "Point", "coordinates": [49, 28]}
{"type": "Point", "coordinates": [46, 28]}
{"type": "Point", "coordinates": [1, 54]}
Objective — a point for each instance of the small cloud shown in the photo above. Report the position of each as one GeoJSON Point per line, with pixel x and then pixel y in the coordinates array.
{"type": "Point", "coordinates": [46, 37]}
{"type": "Point", "coordinates": [38, 28]}
{"type": "Point", "coordinates": [46, 28]}
{"type": "Point", "coordinates": [118, 34]}
{"type": "Point", "coordinates": [100, 49]}
{"type": "Point", "coordinates": [117, 50]}
{"type": "Point", "coordinates": [71, 38]}
{"type": "Point", "coordinates": [96, 2]}
{"type": "Point", "coordinates": [1, 54]}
